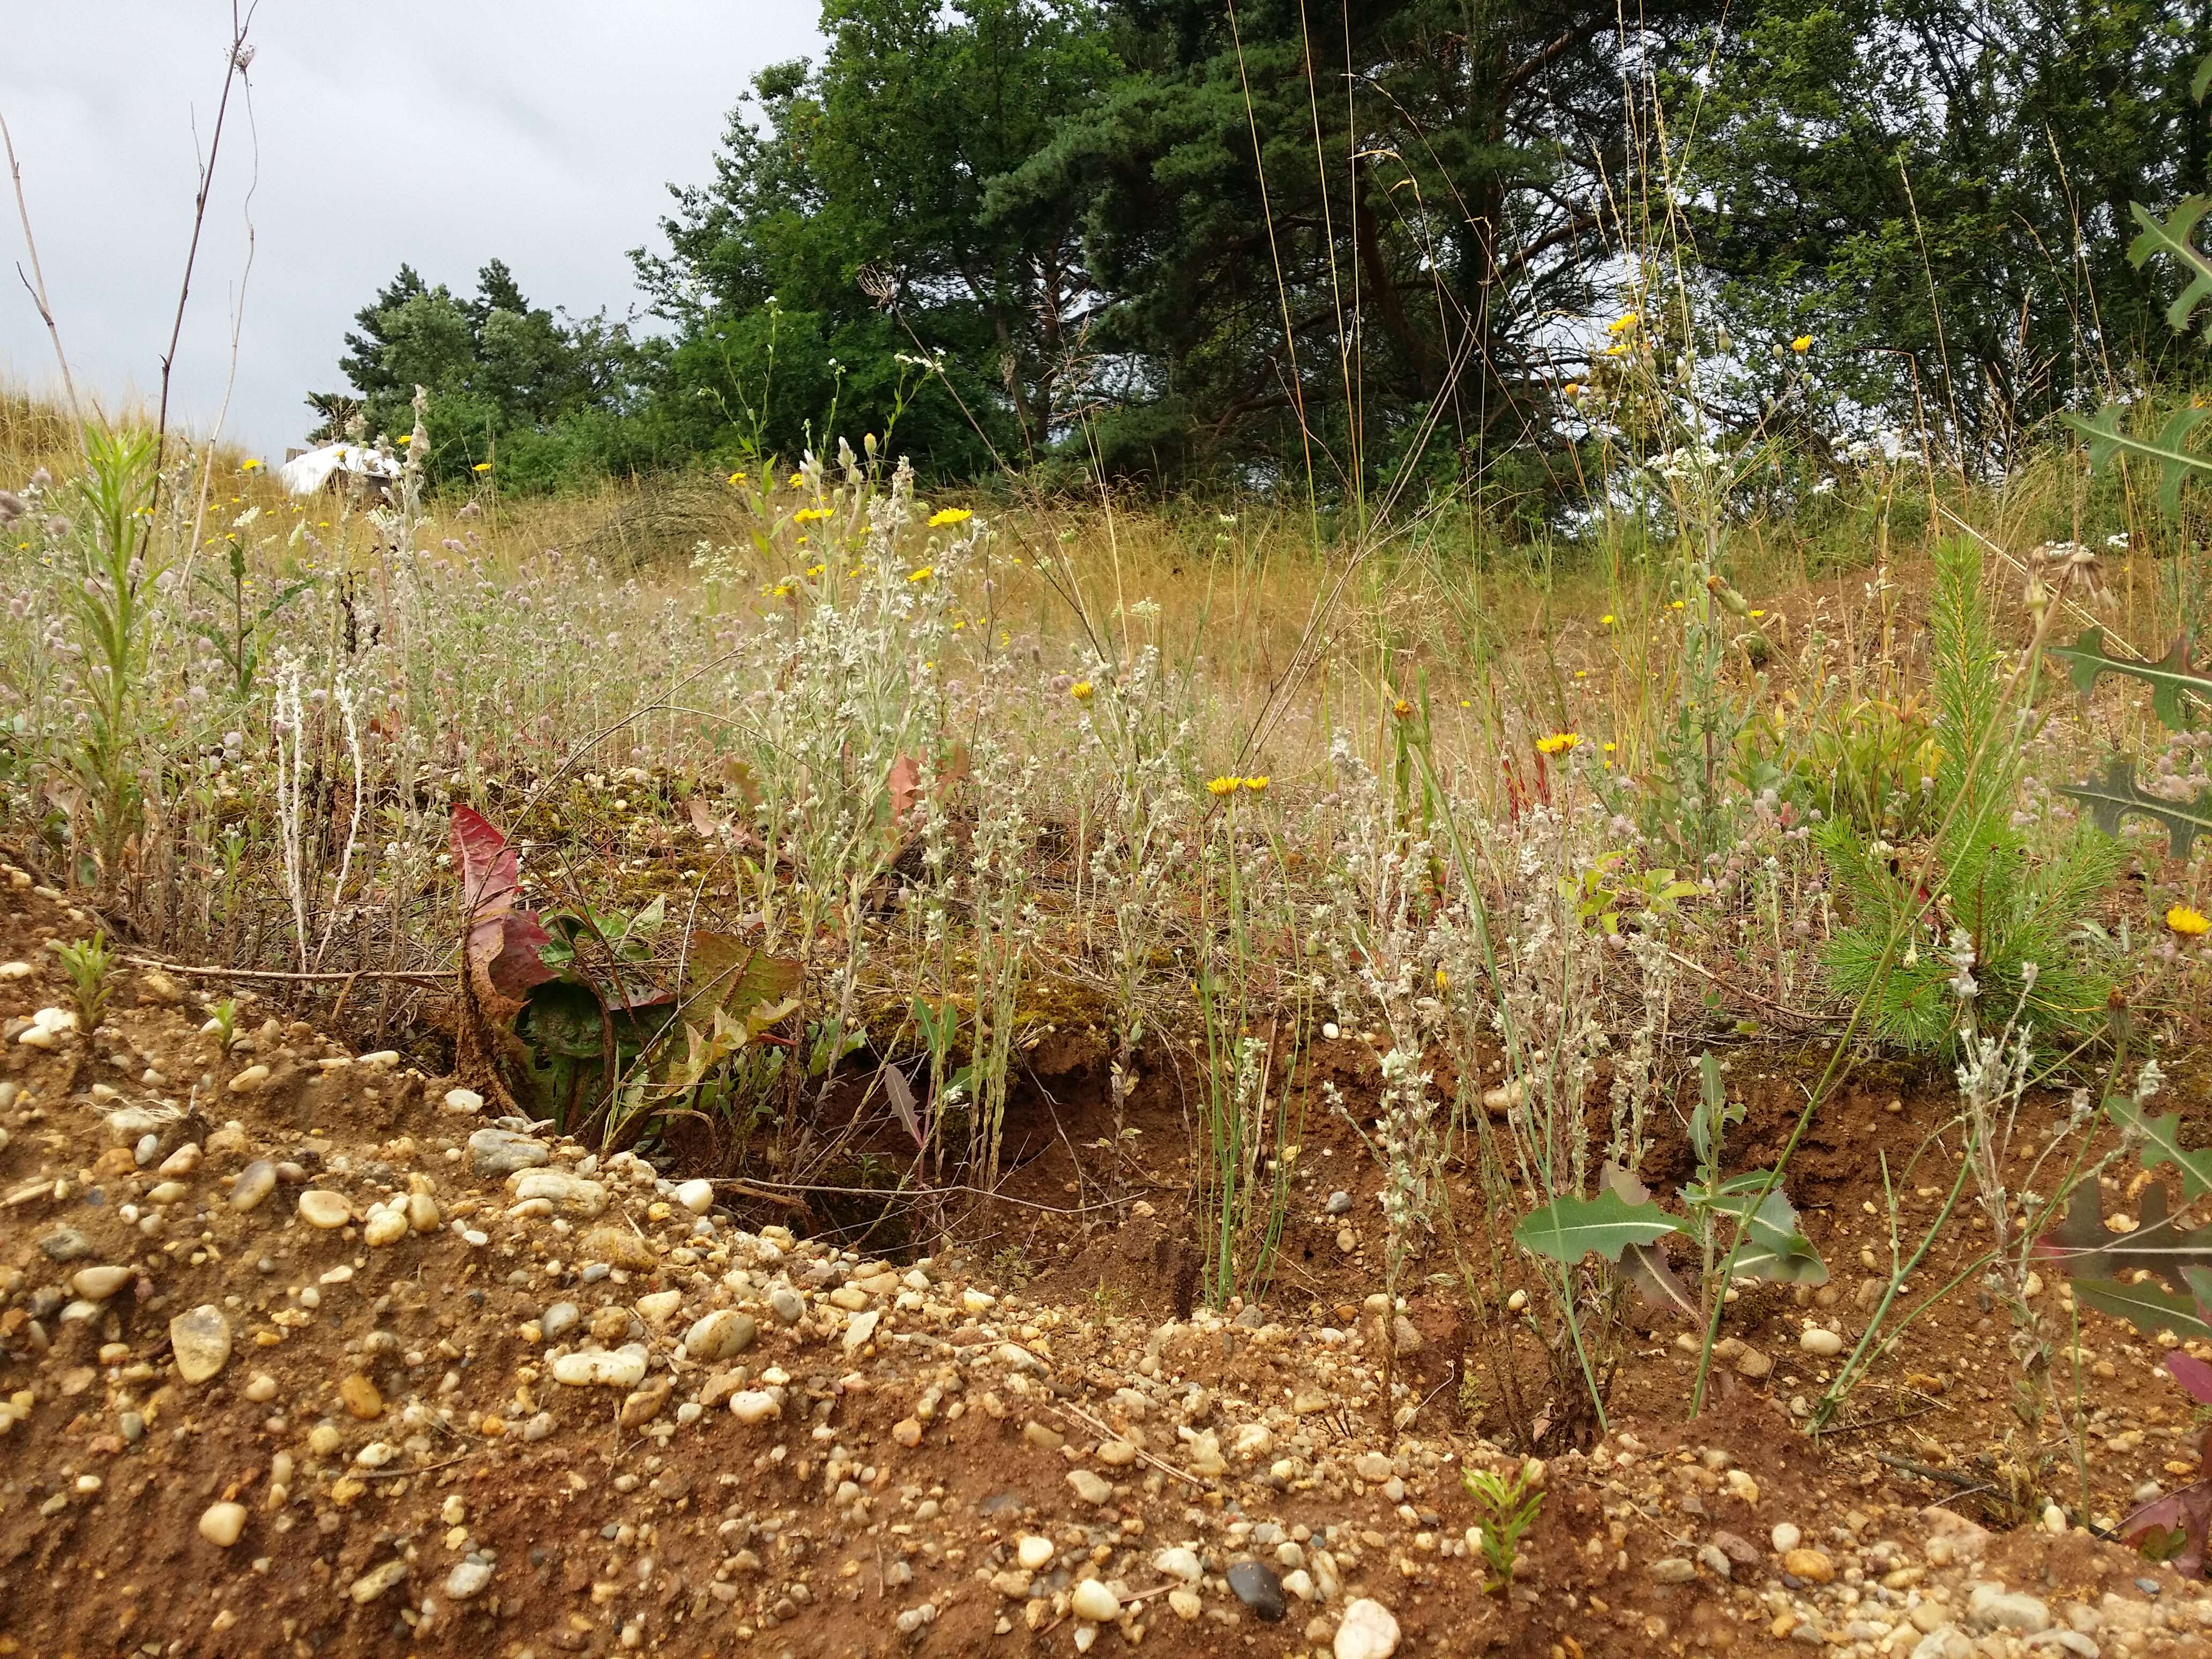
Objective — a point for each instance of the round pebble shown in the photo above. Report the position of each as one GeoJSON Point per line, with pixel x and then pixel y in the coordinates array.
{"type": "Point", "coordinates": [222, 1523]}
{"type": "Point", "coordinates": [325, 1209]}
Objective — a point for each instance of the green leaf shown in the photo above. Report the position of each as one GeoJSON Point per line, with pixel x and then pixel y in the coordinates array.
{"type": "Point", "coordinates": [2162, 1144]}
{"type": "Point", "coordinates": [2168, 449]}
{"type": "Point", "coordinates": [1568, 1229]}
{"type": "Point", "coordinates": [2116, 794]}
{"type": "Point", "coordinates": [2172, 237]}
{"type": "Point", "coordinates": [1773, 1248]}
{"type": "Point", "coordinates": [2201, 82]}
{"type": "Point", "coordinates": [2170, 678]}
{"type": "Point", "coordinates": [2146, 1307]}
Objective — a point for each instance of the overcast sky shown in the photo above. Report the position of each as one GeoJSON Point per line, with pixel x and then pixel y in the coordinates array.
{"type": "Point", "coordinates": [439, 132]}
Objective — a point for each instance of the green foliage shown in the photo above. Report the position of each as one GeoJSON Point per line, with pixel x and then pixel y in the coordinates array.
{"type": "Point", "coordinates": [1507, 1509]}
{"type": "Point", "coordinates": [501, 373]}
{"type": "Point", "coordinates": [1569, 1228]}
{"type": "Point", "coordinates": [2172, 680]}
{"type": "Point", "coordinates": [88, 964]}
{"type": "Point", "coordinates": [1984, 893]}
{"type": "Point", "coordinates": [1936, 191]}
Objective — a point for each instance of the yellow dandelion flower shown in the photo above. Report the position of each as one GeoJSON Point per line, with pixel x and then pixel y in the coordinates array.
{"type": "Point", "coordinates": [1756, 615]}
{"type": "Point", "coordinates": [922, 575]}
{"type": "Point", "coordinates": [1224, 786]}
{"type": "Point", "coordinates": [1402, 710]}
{"type": "Point", "coordinates": [809, 515]}
{"type": "Point", "coordinates": [248, 466]}
{"type": "Point", "coordinates": [481, 466]}
{"type": "Point", "coordinates": [781, 590]}
{"type": "Point", "coordinates": [2187, 923]}
{"type": "Point", "coordinates": [1258, 786]}
{"type": "Point", "coordinates": [1623, 323]}
{"type": "Point", "coordinates": [1571, 389]}
{"type": "Point", "coordinates": [1802, 344]}
{"type": "Point", "coordinates": [815, 569]}
{"type": "Point", "coordinates": [950, 515]}
{"type": "Point", "coordinates": [1558, 742]}
{"type": "Point", "coordinates": [1607, 620]}
{"type": "Point", "coordinates": [1444, 979]}
{"type": "Point", "coordinates": [1080, 690]}
{"type": "Point", "coordinates": [798, 480]}
{"type": "Point", "coordinates": [737, 477]}
{"type": "Point", "coordinates": [1675, 605]}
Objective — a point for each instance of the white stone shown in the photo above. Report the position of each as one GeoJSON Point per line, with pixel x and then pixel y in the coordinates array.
{"type": "Point", "coordinates": [571, 1194]}
{"type": "Point", "coordinates": [1368, 1632]}
{"type": "Point", "coordinates": [376, 1581]}
{"type": "Point", "coordinates": [620, 1367]}
{"type": "Point", "coordinates": [1786, 1538]}
{"type": "Point", "coordinates": [696, 1196]}
{"type": "Point", "coordinates": [385, 1227]}
{"type": "Point", "coordinates": [467, 1578]}
{"type": "Point", "coordinates": [320, 1207]}
{"type": "Point", "coordinates": [1179, 1562]}
{"type": "Point", "coordinates": [862, 1330]}
{"type": "Point", "coordinates": [98, 1284]}
{"type": "Point", "coordinates": [464, 1100]}
{"type": "Point", "coordinates": [248, 1080]}
{"type": "Point", "coordinates": [722, 1334]}
{"type": "Point", "coordinates": [754, 1405]}
{"type": "Point", "coordinates": [1094, 1602]}
{"type": "Point", "coordinates": [221, 1523]}
{"type": "Point", "coordinates": [200, 1342]}
{"type": "Point", "coordinates": [1033, 1551]}
{"type": "Point", "coordinates": [659, 1307]}
{"type": "Point", "coordinates": [1825, 1344]}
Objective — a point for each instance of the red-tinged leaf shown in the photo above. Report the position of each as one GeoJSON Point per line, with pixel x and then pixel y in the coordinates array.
{"type": "Point", "coordinates": [515, 965]}
{"type": "Point", "coordinates": [488, 866]}
{"type": "Point", "coordinates": [704, 821]}
{"type": "Point", "coordinates": [905, 785]}
{"type": "Point", "coordinates": [2172, 1529]}
{"type": "Point", "coordinates": [2194, 1375]}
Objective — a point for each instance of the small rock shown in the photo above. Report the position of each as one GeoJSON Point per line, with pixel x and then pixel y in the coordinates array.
{"type": "Point", "coordinates": [696, 1196]}
{"type": "Point", "coordinates": [1673, 1569]}
{"type": "Point", "coordinates": [1090, 1487]}
{"type": "Point", "coordinates": [1786, 1537]}
{"type": "Point", "coordinates": [1373, 1468]}
{"type": "Point", "coordinates": [863, 1328]}
{"type": "Point", "coordinates": [377, 1580]}
{"type": "Point", "coordinates": [642, 1408]}
{"type": "Point", "coordinates": [907, 1432]}
{"type": "Point", "coordinates": [65, 1244]}
{"type": "Point", "coordinates": [221, 1523]}
{"type": "Point", "coordinates": [1178, 1561]}
{"type": "Point", "coordinates": [618, 1368]}
{"type": "Point", "coordinates": [661, 1306]}
{"type": "Point", "coordinates": [200, 1340]}
{"type": "Point", "coordinates": [423, 1213]}
{"type": "Point", "coordinates": [249, 1080]}
{"type": "Point", "coordinates": [321, 1208]}
{"type": "Point", "coordinates": [1094, 1602]}
{"type": "Point", "coordinates": [1257, 1586]}
{"type": "Point", "coordinates": [1405, 1336]}
{"type": "Point", "coordinates": [568, 1193]}
{"type": "Point", "coordinates": [98, 1284]}
{"type": "Point", "coordinates": [755, 1406]}
{"type": "Point", "coordinates": [787, 1304]}
{"type": "Point", "coordinates": [464, 1100]}
{"type": "Point", "coordinates": [384, 1227]}
{"type": "Point", "coordinates": [1753, 1363]}
{"type": "Point", "coordinates": [502, 1152]}
{"type": "Point", "coordinates": [254, 1182]}
{"type": "Point", "coordinates": [1825, 1344]}
{"type": "Point", "coordinates": [1368, 1632]}
{"type": "Point", "coordinates": [718, 1336]}
{"type": "Point", "coordinates": [1814, 1566]}
{"type": "Point", "coordinates": [360, 1399]}
{"type": "Point", "coordinates": [1184, 1604]}
{"type": "Point", "coordinates": [1994, 1608]}
{"type": "Point", "coordinates": [1033, 1551]}
{"type": "Point", "coordinates": [468, 1577]}
{"type": "Point", "coordinates": [1339, 1203]}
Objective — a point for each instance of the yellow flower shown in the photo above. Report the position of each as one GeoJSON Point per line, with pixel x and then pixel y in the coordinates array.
{"type": "Point", "coordinates": [1402, 710]}
{"type": "Point", "coordinates": [1756, 615]}
{"type": "Point", "coordinates": [1558, 742]}
{"type": "Point", "coordinates": [948, 515]}
{"type": "Point", "coordinates": [1675, 605]}
{"type": "Point", "coordinates": [1571, 389]}
{"type": "Point", "coordinates": [781, 590]}
{"type": "Point", "coordinates": [922, 575]}
{"type": "Point", "coordinates": [809, 514]}
{"type": "Point", "coordinates": [2190, 924]}
{"type": "Point", "coordinates": [1080, 690]}
{"type": "Point", "coordinates": [248, 466]}
{"type": "Point", "coordinates": [1616, 349]}
{"type": "Point", "coordinates": [1609, 747]}
{"type": "Point", "coordinates": [737, 477]}
{"type": "Point", "coordinates": [481, 466]}
{"type": "Point", "coordinates": [1444, 979]}
{"type": "Point", "coordinates": [798, 479]}
{"type": "Point", "coordinates": [1257, 785]}
{"type": "Point", "coordinates": [1625, 324]}
{"type": "Point", "coordinates": [1607, 620]}
{"type": "Point", "coordinates": [1224, 786]}
{"type": "Point", "coordinates": [1802, 344]}
{"type": "Point", "coordinates": [815, 570]}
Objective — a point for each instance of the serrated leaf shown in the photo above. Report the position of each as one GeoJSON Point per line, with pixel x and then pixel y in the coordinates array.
{"type": "Point", "coordinates": [2083, 1249]}
{"type": "Point", "coordinates": [2169, 449]}
{"type": "Point", "coordinates": [2116, 794]}
{"type": "Point", "coordinates": [2172, 236]}
{"type": "Point", "coordinates": [1568, 1229]}
{"type": "Point", "coordinates": [2172, 678]}
{"type": "Point", "coordinates": [1773, 1248]}
{"type": "Point", "coordinates": [2162, 1144]}
{"type": "Point", "coordinates": [2146, 1307]}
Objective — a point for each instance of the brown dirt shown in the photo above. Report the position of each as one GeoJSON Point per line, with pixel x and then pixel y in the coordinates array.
{"type": "Point", "coordinates": [811, 1532]}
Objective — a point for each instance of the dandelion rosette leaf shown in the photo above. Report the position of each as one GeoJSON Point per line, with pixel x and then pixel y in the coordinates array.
{"type": "Point", "coordinates": [2095, 1258]}
{"type": "Point", "coordinates": [2170, 678]}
